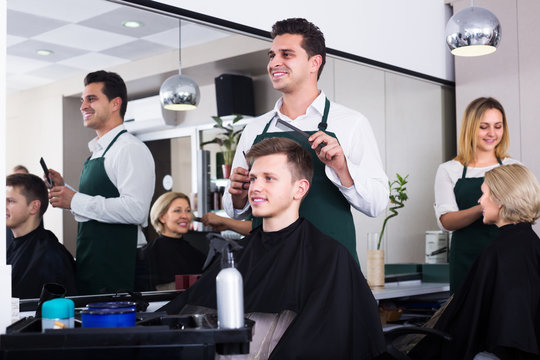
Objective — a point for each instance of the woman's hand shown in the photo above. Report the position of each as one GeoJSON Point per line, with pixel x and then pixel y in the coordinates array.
{"type": "Point", "coordinates": [456, 220]}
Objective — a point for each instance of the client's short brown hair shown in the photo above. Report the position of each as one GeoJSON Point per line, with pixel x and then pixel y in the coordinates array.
{"type": "Point", "coordinates": [299, 159]}
{"type": "Point", "coordinates": [32, 188]}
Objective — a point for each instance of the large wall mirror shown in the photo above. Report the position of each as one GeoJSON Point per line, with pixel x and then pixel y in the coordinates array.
{"type": "Point", "coordinates": [413, 118]}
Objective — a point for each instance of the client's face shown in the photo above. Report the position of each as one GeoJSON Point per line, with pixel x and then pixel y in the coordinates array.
{"type": "Point", "coordinates": [490, 208]}
{"type": "Point", "coordinates": [271, 188]}
{"type": "Point", "coordinates": [17, 208]}
{"type": "Point", "coordinates": [177, 218]}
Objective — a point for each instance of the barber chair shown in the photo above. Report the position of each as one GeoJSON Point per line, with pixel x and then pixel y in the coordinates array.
{"type": "Point", "coordinates": [392, 335]}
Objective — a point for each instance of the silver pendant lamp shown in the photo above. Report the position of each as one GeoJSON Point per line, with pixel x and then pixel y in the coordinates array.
{"type": "Point", "coordinates": [179, 92]}
{"type": "Point", "coordinates": [473, 31]}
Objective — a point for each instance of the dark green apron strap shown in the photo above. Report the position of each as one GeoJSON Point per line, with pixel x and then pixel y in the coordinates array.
{"type": "Point", "coordinates": [323, 124]}
{"type": "Point", "coordinates": [465, 168]}
{"type": "Point", "coordinates": [113, 141]}
{"type": "Point", "coordinates": [268, 123]}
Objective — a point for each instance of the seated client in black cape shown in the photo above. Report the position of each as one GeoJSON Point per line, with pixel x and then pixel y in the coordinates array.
{"type": "Point", "coordinates": [288, 265]}
{"type": "Point", "coordinates": [497, 307]}
{"type": "Point", "coordinates": [35, 254]}
{"type": "Point", "coordinates": [170, 254]}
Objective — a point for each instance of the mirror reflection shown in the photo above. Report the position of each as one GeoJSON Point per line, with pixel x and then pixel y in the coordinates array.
{"type": "Point", "coordinates": [145, 59]}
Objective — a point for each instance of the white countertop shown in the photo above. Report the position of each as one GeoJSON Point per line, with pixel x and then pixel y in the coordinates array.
{"type": "Point", "coordinates": [409, 288]}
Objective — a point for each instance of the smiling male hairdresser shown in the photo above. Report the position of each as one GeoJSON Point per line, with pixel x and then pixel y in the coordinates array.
{"type": "Point", "coordinates": [115, 191]}
{"type": "Point", "coordinates": [347, 171]}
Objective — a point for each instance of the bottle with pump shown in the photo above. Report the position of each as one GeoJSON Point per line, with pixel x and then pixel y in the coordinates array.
{"type": "Point", "coordinates": [230, 293]}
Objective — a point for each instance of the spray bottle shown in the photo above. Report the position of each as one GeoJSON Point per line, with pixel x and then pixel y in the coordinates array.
{"type": "Point", "coordinates": [230, 293]}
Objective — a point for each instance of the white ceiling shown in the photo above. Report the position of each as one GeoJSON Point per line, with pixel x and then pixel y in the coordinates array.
{"type": "Point", "coordinates": [85, 35]}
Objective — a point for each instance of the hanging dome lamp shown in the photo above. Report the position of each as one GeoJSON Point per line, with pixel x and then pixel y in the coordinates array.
{"type": "Point", "coordinates": [473, 31]}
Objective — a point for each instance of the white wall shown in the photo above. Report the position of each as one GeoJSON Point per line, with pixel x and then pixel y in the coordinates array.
{"type": "Point", "coordinates": [5, 270]}
{"type": "Point", "coordinates": [408, 34]}
{"type": "Point", "coordinates": [2, 130]}
{"type": "Point", "coordinates": [410, 122]}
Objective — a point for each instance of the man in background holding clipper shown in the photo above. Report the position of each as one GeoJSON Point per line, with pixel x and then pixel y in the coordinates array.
{"type": "Point", "coordinates": [347, 164]}
{"type": "Point", "coordinates": [115, 191]}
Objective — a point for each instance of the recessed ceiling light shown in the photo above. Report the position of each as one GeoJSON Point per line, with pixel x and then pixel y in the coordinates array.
{"type": "Point", "coordinates": [44, 52]}
{"type": "Point", "coordinates": [132, 24]}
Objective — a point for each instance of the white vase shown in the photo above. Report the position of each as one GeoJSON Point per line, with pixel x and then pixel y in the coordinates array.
{"type": "Point", "coordinates": [375, 262]}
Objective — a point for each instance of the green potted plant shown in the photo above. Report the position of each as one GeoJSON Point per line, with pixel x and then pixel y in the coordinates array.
{"type": "Point", "coordinates": [398, 196]}
{"type": "Point", "coordinates": [228, 140]}
{"type": "Point", "coordinates": [375, 255]}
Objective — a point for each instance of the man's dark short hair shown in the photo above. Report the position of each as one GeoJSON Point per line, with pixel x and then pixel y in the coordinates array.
{"type": "Point", "coordinates": [32, 188]}
{"type": "Point", "coordinates": [298, 158]}
{"type": "Point", "coordinates": [113, 86]}
{"type": "Point", "coordinates": [313, 42]}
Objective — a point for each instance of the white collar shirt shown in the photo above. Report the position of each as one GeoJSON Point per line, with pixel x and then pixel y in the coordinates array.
{"type": "Point", "coordinates": [369, 194]}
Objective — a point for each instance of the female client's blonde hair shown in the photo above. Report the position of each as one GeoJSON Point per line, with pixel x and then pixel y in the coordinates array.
{"type": "Point", "coordinates": [161, 205]}
{"type": "Point", "coordinates": [515, 188]}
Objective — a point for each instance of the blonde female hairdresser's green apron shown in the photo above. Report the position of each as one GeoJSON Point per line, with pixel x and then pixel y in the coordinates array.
{"type": "Point", "coordinates": [106, 253]}
{"type": "Point", "coordinates": [468, 242]}
{"type": "Point", "coordinates": [324, 206]}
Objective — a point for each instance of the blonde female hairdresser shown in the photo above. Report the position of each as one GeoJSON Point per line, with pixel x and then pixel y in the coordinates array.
{"type": "Point", "coordinates": [483, 144]}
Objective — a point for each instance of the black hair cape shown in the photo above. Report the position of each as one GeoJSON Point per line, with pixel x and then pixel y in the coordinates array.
{"type": "Point", "coordinates": [497, 307]}
{"type": "Point", "coordinates": [300, 269]}
{"type": "Point", "coordinates": [38, 258]}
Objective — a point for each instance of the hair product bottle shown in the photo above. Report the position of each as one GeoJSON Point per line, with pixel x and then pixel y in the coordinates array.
{"type": "Point", "coordinates": [230, 294]}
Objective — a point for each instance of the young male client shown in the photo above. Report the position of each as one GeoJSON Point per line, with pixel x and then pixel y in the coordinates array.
{"type": "Point", "coordinates": [35, 254]}
{"type": "Point", "coordinates": [288, 264]}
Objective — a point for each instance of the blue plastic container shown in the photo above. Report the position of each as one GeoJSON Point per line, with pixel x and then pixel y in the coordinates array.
{"type": "Point", "coordinates": [109, 314]}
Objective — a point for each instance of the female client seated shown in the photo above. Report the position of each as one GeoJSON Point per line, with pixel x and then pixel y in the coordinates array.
{"type": "Point", "coordinates": [495, 313]}
{"type": "Point", "coordinates": [170, 254]}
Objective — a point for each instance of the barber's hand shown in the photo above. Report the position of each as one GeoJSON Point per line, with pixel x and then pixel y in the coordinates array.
{"type": "Point", "coordinates": [56, 178]}
{"type": "Point", "coordinates": [239, 186]}
{"type": "Point", "coordinates": [60, 197]}
{"type": "Point", "coordinates": [332, 155]}
{"type": "Point", "coordinates": [215, 221]}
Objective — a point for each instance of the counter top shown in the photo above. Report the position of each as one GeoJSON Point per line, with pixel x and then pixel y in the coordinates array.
{"type": "Point", "coordinates": [409, 288]}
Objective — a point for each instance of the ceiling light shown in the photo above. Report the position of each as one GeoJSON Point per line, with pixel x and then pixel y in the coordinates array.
{"type": "Point", "coordinates": [473, 31]}
{"type": "Point", "coordinates": [44, 52]}
{"type": "Point", "coordinates": [132, 24]}
{"type": "Point", "coordinates": [179, 92]}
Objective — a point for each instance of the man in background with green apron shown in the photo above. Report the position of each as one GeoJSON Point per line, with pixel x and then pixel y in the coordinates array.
{"type": "Point", "coordinates": [115, 191]}
{"type": "Point", "coordinates": [347, 169]}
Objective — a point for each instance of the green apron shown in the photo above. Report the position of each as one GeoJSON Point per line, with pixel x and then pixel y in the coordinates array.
{"type": "Point", "coordinates": [468, 242]}
{"type": "Point", "coordinates": [324, 205]}
{"type": "Point", "coordinates": [106, 253]}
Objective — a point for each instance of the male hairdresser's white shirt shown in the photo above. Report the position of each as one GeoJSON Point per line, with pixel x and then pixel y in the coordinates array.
{"type": "Point", "coordinates": [130, 167]}
{"type": "Point", "coordinates": [369, 194]}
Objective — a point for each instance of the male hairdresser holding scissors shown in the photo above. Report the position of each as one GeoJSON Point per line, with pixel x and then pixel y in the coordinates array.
{"type": "Point", "coordinates": [115, 191]}
{"type": "Point", "coordinates": [347, 170]}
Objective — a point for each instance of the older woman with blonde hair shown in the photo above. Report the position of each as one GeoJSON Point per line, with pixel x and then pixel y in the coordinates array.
{"type": "Point", "coordinates": [483, 144]}
{"type": "Point", "coordinates": [170, 254]}
{"type": "Point", "coordinates": [495, 314]}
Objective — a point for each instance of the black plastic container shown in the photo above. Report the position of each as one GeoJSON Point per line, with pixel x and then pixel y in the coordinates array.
{"type": "Point", "coordinates": [155, 336]}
